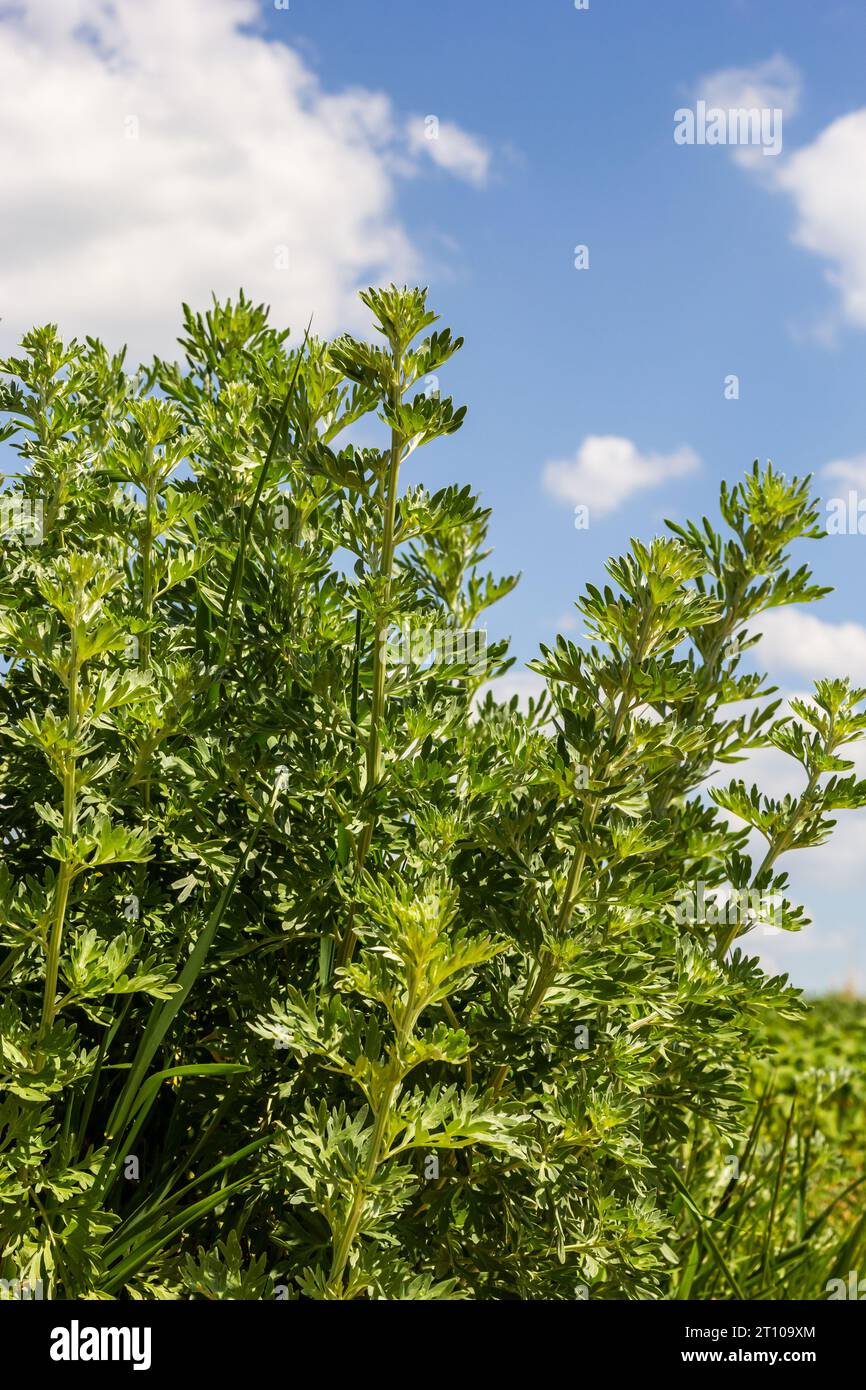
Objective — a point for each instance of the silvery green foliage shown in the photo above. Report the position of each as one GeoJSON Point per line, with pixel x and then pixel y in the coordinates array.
{"type": "Point", "coordinates": [383, 984]}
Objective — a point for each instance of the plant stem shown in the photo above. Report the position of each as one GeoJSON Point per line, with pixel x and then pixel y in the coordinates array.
{"type": "Point", "coordinates": [374, 747]}
{"type": "Point", "coordinates": [64, 878]}
{"type": "Point", "coordinates": [147, 585]}
{"type": "Point", "coordinates": [374, 1151]}
{"type": "Point", "coordinates": [546, 972]}
{"type": "Point", "coordinates": [776, 848]}
{"type": "Point", "coordinates": [779, 846]}
{"type": "Point", "coordinates": [380, 669]}
{"type": "Point", "coordinates": [236, 575]}
{"type": "Point", "coordinates": [147, 560]}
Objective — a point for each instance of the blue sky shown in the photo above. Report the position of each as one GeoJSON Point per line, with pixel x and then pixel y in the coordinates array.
{"type": "Point", "coordinates": [692, 274]}
{"type": "Point", "coordinates": [201, 137]}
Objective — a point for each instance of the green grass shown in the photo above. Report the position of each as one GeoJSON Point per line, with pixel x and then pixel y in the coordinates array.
{"type": "Point", "coordinates": [790, 1217]}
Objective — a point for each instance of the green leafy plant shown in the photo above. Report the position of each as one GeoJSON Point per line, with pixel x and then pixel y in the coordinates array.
{"type": "Point", "coordinates": [326, 974]}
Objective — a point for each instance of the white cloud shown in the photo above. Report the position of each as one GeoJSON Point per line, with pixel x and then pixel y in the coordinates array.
{"type": "Point", "coordinates": [851, 471]}
{"type": "Point", "coordinates": [526, 685]}
{"type": "Point", "coordinates": [773, 83]}
{"type": "Point", "coordinates": [796, 640]}
{"type": "Point", "coordinates": [453, 149]}
{"type": "Point", "coordinates": [840, 863]}
{"type": "Point", "coordinates": [827, 181]}
{"type": "Point", "coordinates": [775, 772]}
{"type": "Point", "coordinates": [771, 88]}
{"type": "Point", "coordinates": [818, 960]}
{"type": "Point", "coordinates": [607, 470]}
{"type": "Point", "coordinates": [153, 153]}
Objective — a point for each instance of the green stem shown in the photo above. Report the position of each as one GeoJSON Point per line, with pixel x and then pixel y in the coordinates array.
{"type": "Point", "coordinates": [148, 587]}
{"type": "Point", "coordinates": [546, 972]}
{"type": "Point", "coordinates": [547, 967]}
{"type": "Point", "coordinates": [374, 1151]}
{"type": "Point", "coordinates": [776, 848]}
{"type": "Point", "coordinates": [238, 565]}
{"type": "Point", "coordinates": [64, 878]}
{"type": "Point", "coordinates": [374, 746]}
{"type": "Point", "coordinates": [52, 963]}
{"type": "Point", "coordinates": [147, 561]}
{"type": "Point", "coordinates": [380, 671]}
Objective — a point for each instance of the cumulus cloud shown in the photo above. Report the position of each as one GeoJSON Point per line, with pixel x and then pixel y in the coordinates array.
{"type": "Point", "coordinates": [154, 153]}
{"type": "Point", "coordinates": [744, 108]}
{"type": "Point", "coordinates": [607, 470]}
{"type": "Point", "coordinates": [825, 179]}
{"type": "Point", "coordinates": [851, 471]}
{"type": "Point", "coordinates": [449, 147]}
{"type": "Point", "coordinates": [797, 641]}
{"type": "Point", "coordinates": [773, 83]}
{"type": "Point", "coordinates": [526, 685]}
{"type": "Point", "coordinates": [827, 182]}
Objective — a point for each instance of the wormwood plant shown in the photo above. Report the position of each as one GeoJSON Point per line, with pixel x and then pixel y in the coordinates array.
{"type": "Point", "coordinates": [326, 975]}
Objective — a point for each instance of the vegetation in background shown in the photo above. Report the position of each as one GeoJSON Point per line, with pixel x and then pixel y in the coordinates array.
{"type": "Point", "coordinates": [327, 975]}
